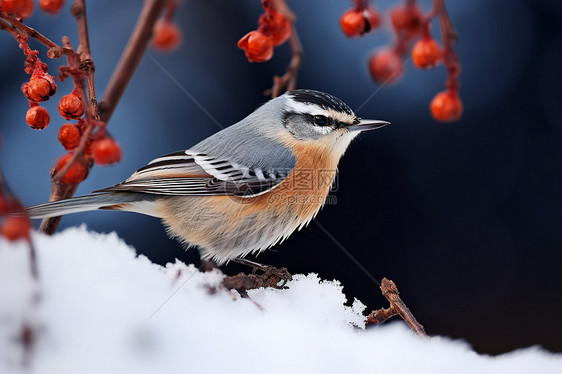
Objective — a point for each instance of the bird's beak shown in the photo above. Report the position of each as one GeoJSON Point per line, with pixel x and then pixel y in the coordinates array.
{"type": "Point", "coordinates": [367, 124]}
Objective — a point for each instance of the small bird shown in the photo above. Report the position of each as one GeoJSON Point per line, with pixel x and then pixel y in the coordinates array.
{"type": "Point", "coordinates": [245, 188]}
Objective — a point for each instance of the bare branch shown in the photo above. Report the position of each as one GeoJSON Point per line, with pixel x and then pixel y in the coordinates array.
{"type": "Point", "coordinates": [131, 57]}
{"type": "Point", "coordinates": [397, 307]}
{"type": "Point", "coordinates": [55, 50]}
{"type": "Point", "coordinates": [78, 10]}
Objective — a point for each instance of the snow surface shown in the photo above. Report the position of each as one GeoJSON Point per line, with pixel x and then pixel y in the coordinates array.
{"type": "Point", "coordinates": [102, 309]}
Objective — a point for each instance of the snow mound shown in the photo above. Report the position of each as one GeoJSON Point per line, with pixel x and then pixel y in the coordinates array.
{"type": "Point", "coordinates": [103, 309]}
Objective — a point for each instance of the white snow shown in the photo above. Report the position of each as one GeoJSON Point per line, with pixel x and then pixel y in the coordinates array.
{"type": "Point", "coordinates": [102, 309]}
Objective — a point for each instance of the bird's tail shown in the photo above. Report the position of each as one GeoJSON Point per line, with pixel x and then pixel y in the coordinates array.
{"type": "Point", "coordinates": [108, 200]}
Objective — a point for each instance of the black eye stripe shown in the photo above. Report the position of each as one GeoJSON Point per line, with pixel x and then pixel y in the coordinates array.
{"type": "Point", "coordinates": [331, 122]}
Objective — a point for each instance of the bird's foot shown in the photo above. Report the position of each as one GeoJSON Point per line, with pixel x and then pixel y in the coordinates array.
{"type": "Point", "coordinates": [271, 275]}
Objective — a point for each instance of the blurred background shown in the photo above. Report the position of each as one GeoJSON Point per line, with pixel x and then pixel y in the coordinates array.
{"type": "Point", "coordinates": [465, 217]}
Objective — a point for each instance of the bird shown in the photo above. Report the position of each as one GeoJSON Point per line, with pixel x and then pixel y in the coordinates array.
{"type": "Point", "coordinates": [245, 188]}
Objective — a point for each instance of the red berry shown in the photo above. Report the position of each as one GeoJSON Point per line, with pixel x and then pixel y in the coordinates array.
{"type": "Point", "coordinates": [446, 106]}
{"type": "Point", "coordinates": [352, 23]}
{"type": "Point", "coordinates": [76, 173]}
{"type": "Point", "coordinates": [166, 36]}
{"type": "Point", "coordinates": [356, 22]}
{"type": "Point", "coordinates": [51, 6]}
{"type": "Point", "coordinates": [16, 227]}
{"type": "Point", "coordinates": [37, 117]}
{"type": "Point", "coordinates": [426, 53]}
{"type": "Point", "coordinates": [277, 26]}
{"type": "Point", "coordinates": [385, 66]}
{"type": "Point", "coordinates": [70, 106]}
{"type": "Point", "coordinates": [20, 8]}
{"type": "Point", "coordinates": [257, 46]}
{"type": "Point", "coordinates": [106, 151]}
{"type": "Point", "coordinates": [407, 19]}
{"type": "Point", "coordinates": [69, 136]}
{"type": "Point", "coordinates": [40, 87]}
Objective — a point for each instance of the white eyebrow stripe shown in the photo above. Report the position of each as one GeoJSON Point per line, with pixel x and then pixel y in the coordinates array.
{"type": "Point", "coordinates": [315, 110]}
{"type": "Point", "coordinates": [307, 108]}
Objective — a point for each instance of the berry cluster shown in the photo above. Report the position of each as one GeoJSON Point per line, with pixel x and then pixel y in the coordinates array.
{"type": "Point", "coordinates": [274, 29]}
{"type": "Point", "coordinates": [166, 35]}
{"type": "Point", "coordinates": [409, 23]}
{"type": "Point", "coordinates": [98, 146]}
{"type": "Point", "coordinates": [83, 133]}
{"type": "Point", "coordinates": [40, 87]}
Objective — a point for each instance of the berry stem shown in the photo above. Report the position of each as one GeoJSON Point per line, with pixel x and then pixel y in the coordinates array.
{"type": "Point", "coordinates": [410, 3]}
{"type": "Point", "coordinates": [288, 81]}
{"type": "Point", "coordinates": [282, 7]}
{"type": "Point", "coordinates": [171, 10]}
{"type": "Point", "coordinates": [361, 5]}
{"type": "Point", "coordinates": [449, 35]}
{"type": "Point", "coordinates": [55, 50]}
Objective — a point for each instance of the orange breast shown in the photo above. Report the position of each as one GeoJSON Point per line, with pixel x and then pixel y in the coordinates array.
{"type": "Point", "coordinates": [304, 190]}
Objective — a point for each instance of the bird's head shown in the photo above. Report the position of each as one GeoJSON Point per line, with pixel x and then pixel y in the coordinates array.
{"type": "Point", "coordinates": [312, 115]}
{"type": "Point", "coordinates": [317, 118]}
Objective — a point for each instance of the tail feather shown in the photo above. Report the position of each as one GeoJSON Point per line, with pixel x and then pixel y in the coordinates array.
{"type": "Point", "coordinates": [82, 204]}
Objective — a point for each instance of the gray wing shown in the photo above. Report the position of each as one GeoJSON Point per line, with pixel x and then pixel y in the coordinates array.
{"type": "Point", "coordinates": [192, 173]}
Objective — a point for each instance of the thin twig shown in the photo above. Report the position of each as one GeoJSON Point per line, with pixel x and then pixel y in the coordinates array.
{"type": "Point", "coordinates": [55, 50]}
{"type": "Point", "coordinates": [132, 55]}
{"type": "Point", "coordinates": [78, 10]}
{"type": "Point", "coordinates": [288, 81]}
{"type": "Point", "coordinates": [449, 35]}
{"type": "Point", "coordinates": [397, 307]}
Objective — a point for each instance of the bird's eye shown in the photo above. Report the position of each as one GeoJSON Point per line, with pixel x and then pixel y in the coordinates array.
{"type": "Point", "coordinates": [320, 120]}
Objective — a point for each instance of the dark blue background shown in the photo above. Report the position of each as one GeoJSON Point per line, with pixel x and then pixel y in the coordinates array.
{"type": "Point", "coordinates": [465, 217]}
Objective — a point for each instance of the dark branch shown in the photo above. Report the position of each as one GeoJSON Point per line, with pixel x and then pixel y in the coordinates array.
{"type": "Point", "coordinates": [131, 57]}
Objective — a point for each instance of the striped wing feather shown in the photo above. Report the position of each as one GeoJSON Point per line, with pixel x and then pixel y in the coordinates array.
{"type": "Point", "coordinates": [187, 173]}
